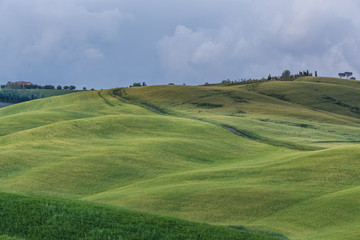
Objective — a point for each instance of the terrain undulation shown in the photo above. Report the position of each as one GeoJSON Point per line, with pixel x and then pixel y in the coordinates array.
{"type": "Point", "coordinates": [273, 160]}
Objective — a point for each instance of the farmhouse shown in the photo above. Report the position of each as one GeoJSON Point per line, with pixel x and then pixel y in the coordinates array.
{"type": "Point", "coordinates": [23, 83]}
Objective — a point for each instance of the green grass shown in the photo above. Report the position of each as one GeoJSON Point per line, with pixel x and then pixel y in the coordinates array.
{"type": "Point", "coordinates": [305, 121]}
{"type": "Point", "coordinates": [45, 218]}
{"type": "Point", "coordinates": [112, 147]}
{"type": "Point", "coordinates": [282, 197]}
{"type": "Point", "coordinates": [337, 96]}
{"type": "Point", "coordinates": [4, 237]}
{"type": "Point", "coordinates": [297, 174]}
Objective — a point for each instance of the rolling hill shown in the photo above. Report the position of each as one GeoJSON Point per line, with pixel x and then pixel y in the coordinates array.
{"type": "Point", "coordinates": [278, 156]}
{"type": "Point", "coordinates": [46, 218]}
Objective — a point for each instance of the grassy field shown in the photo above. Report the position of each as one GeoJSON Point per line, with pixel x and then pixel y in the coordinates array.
{"type": "Point", "coordinates": [164, 150]}
{"type": "Point", "coordinates": [280, 113]}
{"type": "Point", "coordinates": [27, 217]}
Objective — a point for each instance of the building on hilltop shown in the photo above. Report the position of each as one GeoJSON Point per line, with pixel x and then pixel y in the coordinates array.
{"type": "Point", "coordinates": [17, 85]}
{"type": "Point", "coordinates": [23, 83]}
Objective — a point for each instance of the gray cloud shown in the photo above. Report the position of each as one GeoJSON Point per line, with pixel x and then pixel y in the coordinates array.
{"type": "Point", "coordinates": [54, 40]}
{"type": "Point", "coordinates": [314, 35]}
{"type": "Point", "coordinates": [114, 43]}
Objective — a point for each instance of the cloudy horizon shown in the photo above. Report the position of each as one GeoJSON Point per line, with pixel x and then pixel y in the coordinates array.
{"type": "Point", "coordinates": [114, 43]}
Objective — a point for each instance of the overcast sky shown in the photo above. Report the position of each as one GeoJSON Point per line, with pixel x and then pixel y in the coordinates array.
{"type": "Point", "coordinates": [113, 43]}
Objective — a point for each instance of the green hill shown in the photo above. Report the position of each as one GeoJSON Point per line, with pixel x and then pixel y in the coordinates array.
{"type": "Point", "coordinates": [282, 113]}
{"type": "Point", "coordinates": [45, 218]}
{"type": "Point", "coordinates": [292, 167]}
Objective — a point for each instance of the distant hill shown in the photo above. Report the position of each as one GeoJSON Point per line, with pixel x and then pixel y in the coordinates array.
{"type": "Point", "coordinates": [308, 113]}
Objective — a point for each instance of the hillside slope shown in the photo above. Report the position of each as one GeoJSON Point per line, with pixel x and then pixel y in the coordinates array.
{"type": "Point", "coordinates": [282, 113]}
{"type": "Point", "coordinates": [303, 196]}
{"type": "Point", "coordinates": [298, 161]}
{"type": "Point", "coordinates": [47, 218]}
{"type": "Point", "coordinates": [74, 155]}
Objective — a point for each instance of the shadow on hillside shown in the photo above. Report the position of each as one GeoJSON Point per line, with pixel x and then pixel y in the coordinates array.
{"type": "Point", "coordinates": [271, 234]}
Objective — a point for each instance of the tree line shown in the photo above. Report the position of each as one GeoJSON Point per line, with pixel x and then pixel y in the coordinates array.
{"type": "Point", "coordinates": [23, 95]}
{"type": "Point", "coordinates": [347, 75]}
{"type": "Point", "coordinates": [28, 85]}
{"type": "Point", "coordinates": [285, 76]}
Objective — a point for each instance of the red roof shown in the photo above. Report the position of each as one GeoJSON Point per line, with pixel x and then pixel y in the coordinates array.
{"type": "Point", "coordinates": [23, 83]}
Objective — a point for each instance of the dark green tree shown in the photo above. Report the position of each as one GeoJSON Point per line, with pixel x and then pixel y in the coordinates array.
{"type": "Point", "coordinates": [286, 75]}
{"type": "Point", "coordinates": [49, 87]}
{"type": "Point", "coordinates": [341, 75]}
{"type": "Point", "coordinates": [348, 74]}
{"type": "Point", "coordinates": [136, 84]}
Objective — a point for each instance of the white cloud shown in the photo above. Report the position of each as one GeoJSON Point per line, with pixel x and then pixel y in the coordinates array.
{"type": "Point", "coordinates": [207, 52]}
{"type": "Point", "coordinates": [93, 54]}
{"type": "Point", "coordinates": [177, 51]}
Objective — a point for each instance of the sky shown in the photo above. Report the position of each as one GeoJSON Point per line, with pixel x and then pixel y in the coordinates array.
{"type": "Point", "coordinates": [113, 43]}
